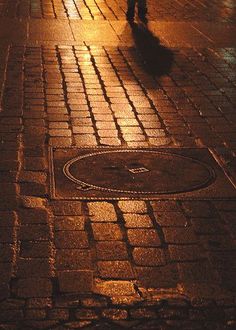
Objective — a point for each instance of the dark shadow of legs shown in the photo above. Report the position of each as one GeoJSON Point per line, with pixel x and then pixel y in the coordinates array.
{"type": "Point", "coordinates": [157, 59]}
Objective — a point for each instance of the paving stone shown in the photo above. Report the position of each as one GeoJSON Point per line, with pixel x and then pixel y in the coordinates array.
{"type": "Point", "coordinates": [69, 223]}
{"type": "Point", "coordinates": [73, 259]}
{"type": "Point", "coordinates": [115, 269]}
{"type": "Point", "coordinates": [106, 232]}
{"type": "Point", "coordinates": [65, 239]}
{"type": "Point", "coordinates": [94, 302]}
{"type": "Point", "coordinates": [179, 235]}
{"type": "Point", "coordinates": [111, 250]}
{"type": "Point", "coordinates": [132, 206]}
{"type": "Point", "coordinates": [34, 287]}
{"type": "Point", "coordinates": [143, 237]}
{"type": "Point", "coordinates": [148, 256]}
{"type": "Point", "coordinates": [115, 288]}
{"type": "Point", "coordinates": [34, 232]}
{"type": "Point", "coordinates": [66, 208]}
{"type": "Point", "coordinates": [35, 314]}
{"type": "Point", "coordinates": [158, 277]}
{"type": "Point", "coordinates": [171, 219]}
{"type": "Point", "coordinates": [138, 221]}
{"type": "Point", "coordinates": [33, 216]}
{"type": "Point", "coordinates": [76, 281]}
{"type": "Point", "coordinates": [115, 314]}
{"type": "Point", "coordinates": [58, 314]}
{"type": "Point", "coordinates": [143, 313]}
{"type": "Point", "coordinates": [102, 212]}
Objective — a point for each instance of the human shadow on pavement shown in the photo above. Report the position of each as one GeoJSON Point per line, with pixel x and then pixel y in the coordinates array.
{"type": "Point", "coordinates": [157, 59]}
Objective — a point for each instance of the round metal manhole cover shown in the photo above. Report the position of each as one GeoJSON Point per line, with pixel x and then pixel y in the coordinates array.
{"type": "Point", "coordinates": [138, 172]}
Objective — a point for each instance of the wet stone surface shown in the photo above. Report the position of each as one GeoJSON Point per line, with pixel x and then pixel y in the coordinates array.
{"type": "Point", "coordinates": [83, 78]}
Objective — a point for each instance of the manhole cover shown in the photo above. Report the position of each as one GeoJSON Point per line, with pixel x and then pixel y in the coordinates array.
{"type": "Point", "coordinates": [138, 172]}
{"type": "Point", "coordinates": [131, 173]}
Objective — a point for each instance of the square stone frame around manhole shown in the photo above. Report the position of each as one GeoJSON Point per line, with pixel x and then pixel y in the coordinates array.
{"type": "Point", "coordinates": [62, 188]}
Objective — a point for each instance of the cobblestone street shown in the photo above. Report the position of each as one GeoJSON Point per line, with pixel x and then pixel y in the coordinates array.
{"type": "Point", "coordinates": [117, 165]}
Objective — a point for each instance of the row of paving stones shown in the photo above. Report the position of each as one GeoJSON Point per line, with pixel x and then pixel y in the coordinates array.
{"type": "Point", "coordinates": [52, 251]}
{"type": "Point", "coordinates": [105, 96]}
{"type": "Point", "coordinates": [113, 10]}
{"type": "Point", "coordinates": [46, 256]}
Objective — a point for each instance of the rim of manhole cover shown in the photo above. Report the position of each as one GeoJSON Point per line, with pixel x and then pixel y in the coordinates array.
{"type": "Point", "coordinates": [138, 172]}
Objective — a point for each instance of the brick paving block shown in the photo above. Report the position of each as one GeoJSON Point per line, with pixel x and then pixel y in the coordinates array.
{"type": "Point", "coordinates": [7, 252]}
{"type": "Point", "coordinates": [9, 165]}
{"type": "Point", "coordinates": [143, 313]}
{"type": "Point", "coordinates": [31, 176]}
{"type": "Point", "coordinates": [34, 151]}
{"type": "Point", "coordinates": [86, 314]}
{"type": "Point", "coordinates": [148, 256]}
{"type": "Point", "coordinates": [132, 206]}
{"type": "Point", "coordinates": [94, 302]}
{"type": "Point", "coordinates": [111, 250]}
{"type": "Point", "coordinates": [73, 259]}
{"type": "Point", "coordinates": [171, 219]}
{"type": "Point", "coordinates": [179, 235]}
{"type": "Point", "coordinates": [7, 235]}
{"type": "Point", "coordinates": [35, 314]}
{"type": "Point", "coordinates": [66, 239]}
{"type": "Point", "coordinates": [106, 232]}
{"type": "Point", "coordinates": [102, 212]}
{"type": "Point", "coordinates": [69, 223]}
{"type": "Point", "coordinates": [157, 277]}
{"type": "Point", "coordinates": [40, 324]}
{"type": "Point", "coordinates": [165, 206]}
{"type": "Point", "coordinates": [60, 141]}
{"type": "Point", "coordinates": [198, 271]}
{"type": "Point", "coordinates": [34, 267]}
{"type": "Point", "coordinates": [34, 232]}
{"type": "Point", "coordinates": [58, 314]}
{"type": "Point", "coordinates": [33, 189]}
{"type": "Point", "coordinates": [31, 202]}
{"type": "Point", "coordinates": [198, 209]}
{"type": "Point", "coordinates": [143, 237]}
{"type": "Point", "coordinates": [33, 287]}
{"type": "Point", "coordinates": [34, 164]}
{"type": "Point", "coordinates": [4, 290]}
{"type": "Point", "coordinates": [209, 226]}
{"type": "Point", "coordinates": [115, 314]}
{"type": "Point", "coordinates": [33, 216]}
{"type": "Point", "coordinates": [138, 221]}
{"type": "Point", "coordinates": [7, 189]}
{"type": "Point", "coordinates": [115, 269]}
{"type": "Point", "coordinates": [67, 208]}
{"type": "Point", "coordinates": [11, 315]}
{"type": "Point", "coordinates": [8, 218]}
{"type": "Point", "coordinates": [76, 281]}
{"type": "Point", "coordinates": [183, 253]}
{"type": "Point", "coordinates": [110, 141]}
{"type": "Point", "coordinates": [115, 288]}
{"type": "Point", "coordinates": [38, 303]}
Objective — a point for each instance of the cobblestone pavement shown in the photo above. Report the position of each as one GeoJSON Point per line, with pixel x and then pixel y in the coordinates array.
{"type": "Point", "coordinates": [68, 81]}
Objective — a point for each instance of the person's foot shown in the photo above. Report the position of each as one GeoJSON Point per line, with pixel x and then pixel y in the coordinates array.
{"type": "Point", "coordinates": [130, 14]}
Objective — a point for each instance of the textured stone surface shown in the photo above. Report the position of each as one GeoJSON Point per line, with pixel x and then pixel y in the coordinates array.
{"type": "Point", "coordinates": [108, 264]}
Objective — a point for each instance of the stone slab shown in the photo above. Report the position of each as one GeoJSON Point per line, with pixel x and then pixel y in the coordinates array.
{"type": "Point", "coordinates": [92, 31]}
{"type": "Point", "coordinates": [221, 34]}
{"type": "Point", "coordinates": [13, 30]}
{"type": "Point", "coordinates": [50, 30]}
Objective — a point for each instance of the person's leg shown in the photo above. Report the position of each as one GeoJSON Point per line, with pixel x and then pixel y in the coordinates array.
{"type": "Point", "coordinates": [130, 10]}
{"type": "Point", "coordinates": [142, 8]}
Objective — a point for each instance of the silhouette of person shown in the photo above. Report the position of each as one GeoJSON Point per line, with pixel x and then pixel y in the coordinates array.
{"type": "Point", "coordinates": [142, 9]}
